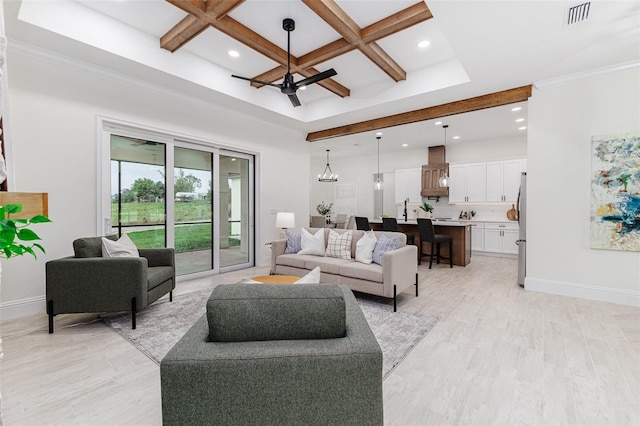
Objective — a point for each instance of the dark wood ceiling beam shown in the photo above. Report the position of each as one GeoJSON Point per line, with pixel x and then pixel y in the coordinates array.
{"type": "Point", "coordinates": [385, 62]}
{"type": "Point", "coordinates": [201, 15]}
{"type": "Point", "coordinates": [333, 15]}
{"type": "Point", "coordinates": [491, 100]}
{"type": "Point", "coordinates": [252, 39]}
{"type": "Point", "coordinates": [325, 53]}
{"type": "Point", "coordinates": [397, 22]}
{"type": "Point", "coordinates": [182, 32]}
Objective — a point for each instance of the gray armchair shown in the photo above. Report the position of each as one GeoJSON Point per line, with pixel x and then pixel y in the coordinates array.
{"type": "Point", "coordinates": [88, 282]}
{"type": "Point", "coordinates": [275, 355]}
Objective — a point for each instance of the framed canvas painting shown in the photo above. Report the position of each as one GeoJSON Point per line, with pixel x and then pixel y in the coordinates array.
{"type": "Point", "coordinates": [615, 192]}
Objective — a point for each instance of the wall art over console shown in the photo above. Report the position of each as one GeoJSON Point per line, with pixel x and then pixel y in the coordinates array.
{"type": "Point", "coordinates": [615, 192]}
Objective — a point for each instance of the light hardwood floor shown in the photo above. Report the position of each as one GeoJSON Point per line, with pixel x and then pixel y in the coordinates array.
{"type": "Point", "coordinates": [499, 355]}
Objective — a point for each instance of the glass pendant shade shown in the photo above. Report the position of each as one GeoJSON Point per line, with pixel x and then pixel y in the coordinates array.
{"type": "Point", "coordinates": [377, 184]}
{"type": "Point", "coordinates": [444, 180]}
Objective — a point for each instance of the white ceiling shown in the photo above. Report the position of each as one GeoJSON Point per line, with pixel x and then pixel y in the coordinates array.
{"type": "Point", "coordinates": [477, 47]}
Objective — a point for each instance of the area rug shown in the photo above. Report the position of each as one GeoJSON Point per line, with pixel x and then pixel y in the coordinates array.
{"type": "Point", "coordinates": [162, 324]}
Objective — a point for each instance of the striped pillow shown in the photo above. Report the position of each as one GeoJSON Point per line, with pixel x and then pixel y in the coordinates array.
{"type": "Point", "coordinates": [383, 245]}
{"type": "Point", "coordinates": [294, 242]}
{"type": "Point", "coordinates": [339, 245]}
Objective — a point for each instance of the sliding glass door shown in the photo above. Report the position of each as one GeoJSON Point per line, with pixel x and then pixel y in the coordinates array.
{"type": "Point", "coordinates": [194, 197]}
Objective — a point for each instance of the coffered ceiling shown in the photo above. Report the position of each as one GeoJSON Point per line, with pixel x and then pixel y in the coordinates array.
{"type": "Point", "coordinates": [475, 48]}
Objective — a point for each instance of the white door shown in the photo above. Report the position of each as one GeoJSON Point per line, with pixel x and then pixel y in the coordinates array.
{"type": "Point", "coordinates": [476, 183]}
{"type": "Point", "coordinates": [458, 185]}
{"type": "Point", "coordinates": [512, 174]}
{"type": "Point", "coordinates": [495, 181]}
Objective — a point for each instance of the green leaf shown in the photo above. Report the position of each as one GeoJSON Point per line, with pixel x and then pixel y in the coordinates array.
{"type": "Point", "coordinates": [27, 235]}
{"type": "Point", "coordinates": [13, 208]}
{"type": "Point", "coordinates": [40, 219]}
{"type": "Point", "coordinates": [40, 247]}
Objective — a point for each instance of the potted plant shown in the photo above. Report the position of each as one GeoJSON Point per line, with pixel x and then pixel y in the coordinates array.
{"type": "Point", "coordinates": [427, 208]}
{"type": "Point", "coordinates": [14, 231]}
{"type": "Point", "coordinates": [324, 210]}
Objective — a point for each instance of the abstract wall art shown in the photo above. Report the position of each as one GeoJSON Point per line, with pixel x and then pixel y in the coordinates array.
{"type": "Point", "coordinates": [615, 192]}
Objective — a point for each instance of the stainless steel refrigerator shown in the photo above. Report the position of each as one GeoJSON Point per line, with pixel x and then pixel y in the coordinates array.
{"type": "Point", "coordinates": [522, 237]}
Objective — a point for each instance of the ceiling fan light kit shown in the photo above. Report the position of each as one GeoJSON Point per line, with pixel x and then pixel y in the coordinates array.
{"type": "Point", "coordinates": [288, 86]}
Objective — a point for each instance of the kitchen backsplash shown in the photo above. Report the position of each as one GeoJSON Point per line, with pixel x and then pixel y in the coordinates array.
{"type": "Point", "coordinates": [441, 209]}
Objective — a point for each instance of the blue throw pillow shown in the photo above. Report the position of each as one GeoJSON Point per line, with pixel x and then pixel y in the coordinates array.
{"type": "Point", "coordinates": [383, 245]}
{"type": "Point", "coordinates": [294, 243]}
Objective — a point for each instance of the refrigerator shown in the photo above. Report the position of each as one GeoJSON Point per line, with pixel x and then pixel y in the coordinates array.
{"type": "Point", "coordinates": [522, 237]}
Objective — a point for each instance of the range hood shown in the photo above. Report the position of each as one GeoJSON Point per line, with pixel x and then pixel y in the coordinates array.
{"type": "Point", "coordinates": [431, 173]}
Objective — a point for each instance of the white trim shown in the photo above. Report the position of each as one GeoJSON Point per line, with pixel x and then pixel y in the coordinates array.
{"type": "Point", "coordinates": [587, 75]}
{"type": "Point", "coordinates": [583, 291]}
{"type": "Point", "coordinates": [22, 307]}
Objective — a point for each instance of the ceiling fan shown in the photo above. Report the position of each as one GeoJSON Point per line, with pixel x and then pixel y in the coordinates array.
{"type": "Point", "coordinates": [288, 86]}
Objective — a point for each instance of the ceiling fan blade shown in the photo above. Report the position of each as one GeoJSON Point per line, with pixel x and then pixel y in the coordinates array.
{"type": "Point", "coordinates": [266, 83]}
{"type": "Point", "coordinates": [316, 78]}
{"type": "Point", "coordinates": [294, 99]}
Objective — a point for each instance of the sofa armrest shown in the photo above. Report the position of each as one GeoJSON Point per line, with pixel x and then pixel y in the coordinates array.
{"type": "Point", "coordinates": [400, 267]}
{"type": "Point", "coordinates": [277, 248]}
{"type": "Point", "coordinates": [96, 284]}
{"type": "Point", "coordinates": [158, 256]}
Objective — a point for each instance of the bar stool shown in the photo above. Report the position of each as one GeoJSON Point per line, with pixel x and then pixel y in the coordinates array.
{"type": "Point", "coordinates": [427, 234]}
{"type": "Point", "coordinates": [362, 224]}
{"type": "Point", "coordinates": [391, 224]}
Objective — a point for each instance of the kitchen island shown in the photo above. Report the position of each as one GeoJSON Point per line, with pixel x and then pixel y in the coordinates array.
{"type": "Point", "coordinates": [459, 230]}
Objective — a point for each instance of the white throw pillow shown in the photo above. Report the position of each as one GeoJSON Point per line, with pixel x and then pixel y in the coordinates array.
{"type": "Point", "coordinates": [124, 247]}
{"type": "Point", "coordinates": [312, 244]}
{"type": "Point", "coordinates": [365, 246]}
{"type": "Point", "coordinates": [312, 277]}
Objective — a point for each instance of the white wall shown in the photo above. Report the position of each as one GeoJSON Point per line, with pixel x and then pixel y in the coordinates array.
{"type": "Point", "coordinates": [53, 109]}
{"type": "Point", "coordinates": [562, 119]}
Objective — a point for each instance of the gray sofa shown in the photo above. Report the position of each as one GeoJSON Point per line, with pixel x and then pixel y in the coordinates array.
{"type": "Point", "coordinates": [88, 282]}
{"type": "Point", "coordinates": [275, 355]}
{"type": "Point", "coordinates": [399, 268]}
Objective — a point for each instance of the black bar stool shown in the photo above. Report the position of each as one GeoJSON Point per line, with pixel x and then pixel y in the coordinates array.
{"type": "Point", "coordinates": [428, 235]}
{"type": "Point", "coordinates": [391, 224]}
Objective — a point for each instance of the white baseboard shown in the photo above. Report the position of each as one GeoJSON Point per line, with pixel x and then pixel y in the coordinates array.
{"type": "Point", "coordinates": [22, 307]}
{"type": "Point", "coordinates": [583, 291]}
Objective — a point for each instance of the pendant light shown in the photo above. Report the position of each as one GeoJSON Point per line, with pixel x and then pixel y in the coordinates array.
{"type": "Point", "coordinates": [377, 184]}
{"type": "Point", "coordinates": [327, 175]}
{"type": "Point", "coordinates": [444, 179]}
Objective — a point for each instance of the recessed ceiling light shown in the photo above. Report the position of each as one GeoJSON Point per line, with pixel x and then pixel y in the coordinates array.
{"type": "Point", "coordinates": [423, 44]}
{"type": "Point", "coordinates": [379, 134]}
{"type": "Point", "coordinates": [522, 128]}
{"type": "Point", "coordinates": [405, 144]}
{"type": "Point", "coordinates": [519, 120]}
{"type": "Point", "coordinates": [302, 88]}
{"type": "Point", "coordinates": [234, 53]}
{"type": "Point", "coordinates": [233, 159]}
{"type": "Point", "coordinates": [514, 109]}
{"type": "Point", "coordinates": [437, 123]}
{"type": "Point", "coordinates": [456, 137]}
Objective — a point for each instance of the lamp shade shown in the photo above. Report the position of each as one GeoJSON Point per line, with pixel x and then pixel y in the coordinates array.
{"type": "Point", "coordinates": [285, 220]}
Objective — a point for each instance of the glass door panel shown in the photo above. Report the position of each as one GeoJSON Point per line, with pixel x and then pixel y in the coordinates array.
{"type": "Point", "coordinates": [193, 202]}
{"type": "Point", "coordinates": [235, 219]}
{"type": "Point", "coordinates": [138, 205]}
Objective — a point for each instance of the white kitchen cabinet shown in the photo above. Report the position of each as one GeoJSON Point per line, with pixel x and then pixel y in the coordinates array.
{"type": "Point", "coordinates": [503, 180]}
{"type": "Point", "coordinates": [468, 183]}
{"type": "Point", "coordinates": [409, 185]}
{"type": "Point", "coordinates": [501, 238]}
{"type": "Point", "coordinates": [477, 236]}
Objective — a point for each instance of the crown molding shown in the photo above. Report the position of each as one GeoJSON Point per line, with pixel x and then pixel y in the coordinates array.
{"type": "Point", "coordinates": [587, 75]}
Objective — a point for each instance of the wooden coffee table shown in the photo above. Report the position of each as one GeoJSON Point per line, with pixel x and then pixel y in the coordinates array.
{"type": "Point", "coordinates": [276, 279]}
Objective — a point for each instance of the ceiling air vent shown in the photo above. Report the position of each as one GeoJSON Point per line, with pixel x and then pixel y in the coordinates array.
{"type": "Point", "coordinates": [577, 13]}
